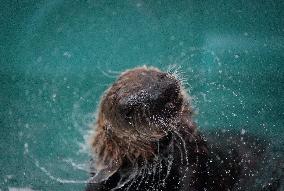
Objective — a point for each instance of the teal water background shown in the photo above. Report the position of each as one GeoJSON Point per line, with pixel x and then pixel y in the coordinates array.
{"type": "Point", "coordinates": [57, 57]}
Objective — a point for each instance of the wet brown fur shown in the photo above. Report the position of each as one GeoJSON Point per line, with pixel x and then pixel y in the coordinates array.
{"type": "Point", "coordinates": [111, 142]}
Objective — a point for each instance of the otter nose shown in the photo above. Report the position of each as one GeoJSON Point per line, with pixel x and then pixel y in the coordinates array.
{"type": "Point", "coordinates": [150, 99]}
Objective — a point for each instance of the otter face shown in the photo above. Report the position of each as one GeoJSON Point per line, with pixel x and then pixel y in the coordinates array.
{"type": "Point", "coordinates": [140, 97]}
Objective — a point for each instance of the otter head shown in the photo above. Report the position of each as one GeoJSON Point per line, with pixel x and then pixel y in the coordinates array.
{"type": "Point", "coordinates": [141, 102]}
{"type": "Point", "coordinates": [135, 112]}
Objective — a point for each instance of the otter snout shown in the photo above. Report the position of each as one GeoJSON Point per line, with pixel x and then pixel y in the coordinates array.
{"type": "Point", "coordinates": [148, 94]}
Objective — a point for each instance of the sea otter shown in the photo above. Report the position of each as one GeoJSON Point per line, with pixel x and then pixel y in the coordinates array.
{"type": "Point", "coordinates": [145, 139]}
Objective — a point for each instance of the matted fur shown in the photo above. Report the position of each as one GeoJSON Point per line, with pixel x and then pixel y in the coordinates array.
{"type": "Point", "coordinates": [116, 139]}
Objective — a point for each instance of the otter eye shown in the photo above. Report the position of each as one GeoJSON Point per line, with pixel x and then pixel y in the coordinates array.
{"type": "Point", "coordinates": [126, 111]}
{"type": "Point", "coordinates": [128, 114]}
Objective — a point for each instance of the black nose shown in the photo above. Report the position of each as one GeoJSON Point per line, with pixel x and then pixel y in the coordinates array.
{"type": "Point", "coordinates": [154, 94]}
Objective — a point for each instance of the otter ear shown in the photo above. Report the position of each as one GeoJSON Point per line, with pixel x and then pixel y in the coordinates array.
{"type": "Point", "coordinates": [103, 172]}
